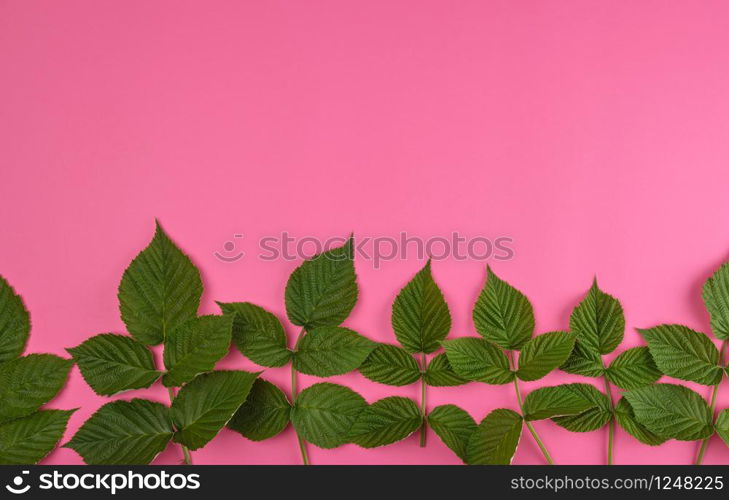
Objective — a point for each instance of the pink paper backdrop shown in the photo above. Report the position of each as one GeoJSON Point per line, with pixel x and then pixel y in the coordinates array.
{"type": "Point", "coordinates": [593, 133]}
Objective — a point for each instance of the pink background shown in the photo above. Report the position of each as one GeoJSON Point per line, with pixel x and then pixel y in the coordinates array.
{"type": "Point", "coordinates": [593, 133]}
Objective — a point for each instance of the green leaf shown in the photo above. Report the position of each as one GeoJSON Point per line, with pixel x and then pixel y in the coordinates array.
{"type": "Point", "coordinates": [543, 354]}
{"type": "Point", "coordinates": [160, 289]}
{"type": "Point", "coordinates": [28, 440]}
{"type": "Point", "coordinates": [440, 373]}
{"type": "Point", "coordinates": [331, 350]}
{"type": "Point", "coordinates": [420, 315]}
{"type": "Point", "coordinates": [559, 401]}
{"type": "Point", "coordinates": [29, 382]}
{"type": "Point", "coordinates": [386, 421]}
{"type": "Point", "coordinates": [324, 414]}
{"type": "Point", "coordinates": [453, 426]}
{"type": "Point", "coordinates": [205, 405]}
{"type": "Point", "coordinates": [625, 417]}
{"type": "Point", "coordinates": [503, 314]}
{"type": "Point", "coordinates": [391, 365]}
{"type": "Point", "coordinates": [589, 420]}
{"type": "Point", "coordinates": [716, 298]}
{"type": "Point", "coordinates": [265, 413]}
{"type": "Point", "coordinates": [598, 321]}
{"type": "Point", "coordinates": [583, 362]}
{"type": "Point", "coordinates": [722, 426]}
{"type": "Point", "coordinates": [633, 368]}
{"type": "Point", "coordinates": [124, 433]}
{"type": "Point", "coordinates": [671, 411]}
{"type": "Point", "coordinates": [258, 334]}
{"type": "Point", "coordinates": [495, 439]}
{"type": "Point", "coordinates": [479, 360]}
{"type": "Point", "coordinates": [194, 347]}
{"type": "Point", "coordinates": [323, 291]}
{"type": "Point", "coordinates": [114, 363]}
{"type": "Point", "coordinates": [14, 323]}
{"type": "Point", "coordinates": [684, 353]}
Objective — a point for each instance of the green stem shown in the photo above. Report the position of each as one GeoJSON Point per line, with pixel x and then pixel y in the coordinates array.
{"type": "Point", "coordinates": [611, 424]}
{"type": "Point", "coordinates": [529, 425]}
{"type": "Point", "coordinates": [294, 395]}
{"type": "Point", "coordinates": [186, 457]}
{"type": "Point", "coordinates": [714, 393]}
{"type": "Point", "coordinates": [423, 402]}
